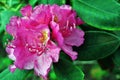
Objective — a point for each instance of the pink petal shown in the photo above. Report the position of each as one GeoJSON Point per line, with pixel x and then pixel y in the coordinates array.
{"type": "Point", "coordinates": [61, 15]}
{"type": "Point", "coordinates": [12, 26]}
{"type": "Point", "coordinates": [22, 56]}
{"type": "Point", "coordinates": [68, 50]}
{"type": "Point", "coordinates": [42, 65]}
{"type": "Point", "coordinates": [53, 51]}
{"type": "Point", "coordinates": [29, 62]}
{"type": "Point", "coordinates": [26, 11]}
{"type": "Point", "coordinates": [72, 19]}
{"type": "Point", "coordinates": [41, 14]}
{"type": "Point", "coordinates": [19, 62]}
{"type": "Point", "coordinates": [79, 21]}
{"type": "Point", "coordinates": [24, 59]}
{"type": "Point", "coordinates": [56, 34]}
{"type": "Point", "coordinates": [75, 39]}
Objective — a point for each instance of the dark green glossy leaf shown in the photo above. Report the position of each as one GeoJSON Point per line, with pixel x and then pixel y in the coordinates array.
{"type": "Point", "coordinates": [116, 58]}
{"type": "Point", "coordinates": [5, 17]}
{"type": "Point", "coordinates": [99, 14]}
{"type": "Point", "coordinates": [32, 2]}
{"type": "Point", "coordinates": [65, 70]}
{"type": "Point", "coordinates": [117, 33]}
{"type": "Point", "coordinates": [59, 2]}
{"type": "Point", "coordinates": [106, 63]}
{"type": "Point", "coordinates": [118, 1]}
{"type": "Point", "coordinates": [17, 75]}
{"type": "Point", "coordinates": [2, 4]}
{"type": "Point", "coordinates": [2, 49]}
{"type": "Point", "coordinates": [97, 45]}
{"type": "Point", "coordinates": [43, 1]}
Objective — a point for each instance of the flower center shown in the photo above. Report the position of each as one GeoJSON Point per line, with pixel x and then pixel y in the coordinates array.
{"type": "Point", "coordinates": [44, 37]}
{"type": "Point", "coordinates": [40, 45]}
{"type": "Point", "coordinates": [38, 49]}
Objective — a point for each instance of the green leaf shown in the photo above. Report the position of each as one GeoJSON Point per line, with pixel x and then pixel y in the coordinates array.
{"type": "Point", "coordinates": [99, 14]}
{"type": "Point", "coordinates": [97, 45]}
{"type": "Point", "coordinates": [32, 2]}
{"type": "Point", "coordinates": [10, 3]}
{"type": "Point", "coordinates": [2, 4]}
{"type": "Point", "coordinates": [97, 73]}
{"type": "Point", "coordinates": [6, 38]}
{"type": "Point", "coordinates": [5, 17]}
{"type": "Point", "coordinates": [52, 75]}
{"type": "Point", "coordinates": [2, 49]}
{"type": "Point", "coordinates": [117, 33]}
{"type": "Point", "coordinates": [5, 62]}
{"type": "Point", "coordinates": [118, 1]}
{"type": "Point", "coordinates": [17, 75]}
{"type": "Point", "coordinates": [65, 70]}
{"type": "Point", "coordinates": [106, 63]}
{"type": "Point", "coordinates": [59, 2]}
{"type": "Point", "coordinates": [116, 58]}
{"type": "Point", "coordinates": [43, 1]}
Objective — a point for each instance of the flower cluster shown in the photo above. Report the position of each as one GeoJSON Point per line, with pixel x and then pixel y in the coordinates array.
{"type": "Point", "coordinates": [40, 34]}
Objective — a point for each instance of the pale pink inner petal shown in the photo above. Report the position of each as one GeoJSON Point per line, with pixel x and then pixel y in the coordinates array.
{"type": "Point", "coordinates": [42, 65]}
{"type": "Point", "coordinates": [10, 51]}
{"type": "Point", "coordinates": [29, 62]}
{"type": "Point", "coordinates": [53, 51]}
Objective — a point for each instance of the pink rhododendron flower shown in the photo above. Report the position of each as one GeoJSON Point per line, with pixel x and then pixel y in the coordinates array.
{"type": "Point", "coordinates": [40, 35]}
{"type": "Point", "coordinates": [32, 48]}
{"type": "Point", "coordinates": [64, 24]}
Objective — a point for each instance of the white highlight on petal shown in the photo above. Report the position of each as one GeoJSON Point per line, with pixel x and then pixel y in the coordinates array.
{"type": "Point", "coordinates": [10, 51]}
{"type": "Point", "coordinates": [12, 68]}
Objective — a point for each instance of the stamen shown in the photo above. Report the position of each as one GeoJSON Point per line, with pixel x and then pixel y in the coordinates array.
{"type": "Point", "coordinates": [39, 53]}
{"type": "Point", "coordinates": [71, 28]}
{"type": "Point", "coordinates": [74, 26]}
{"type": "Point", "coordinates": [33, 46]}
{"type": "Point", "coordinates": [30, 49]}
{"type": "Point", "coordinates": [67, 24]}
{"type": "Point", "coordinates": [26, 45]}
